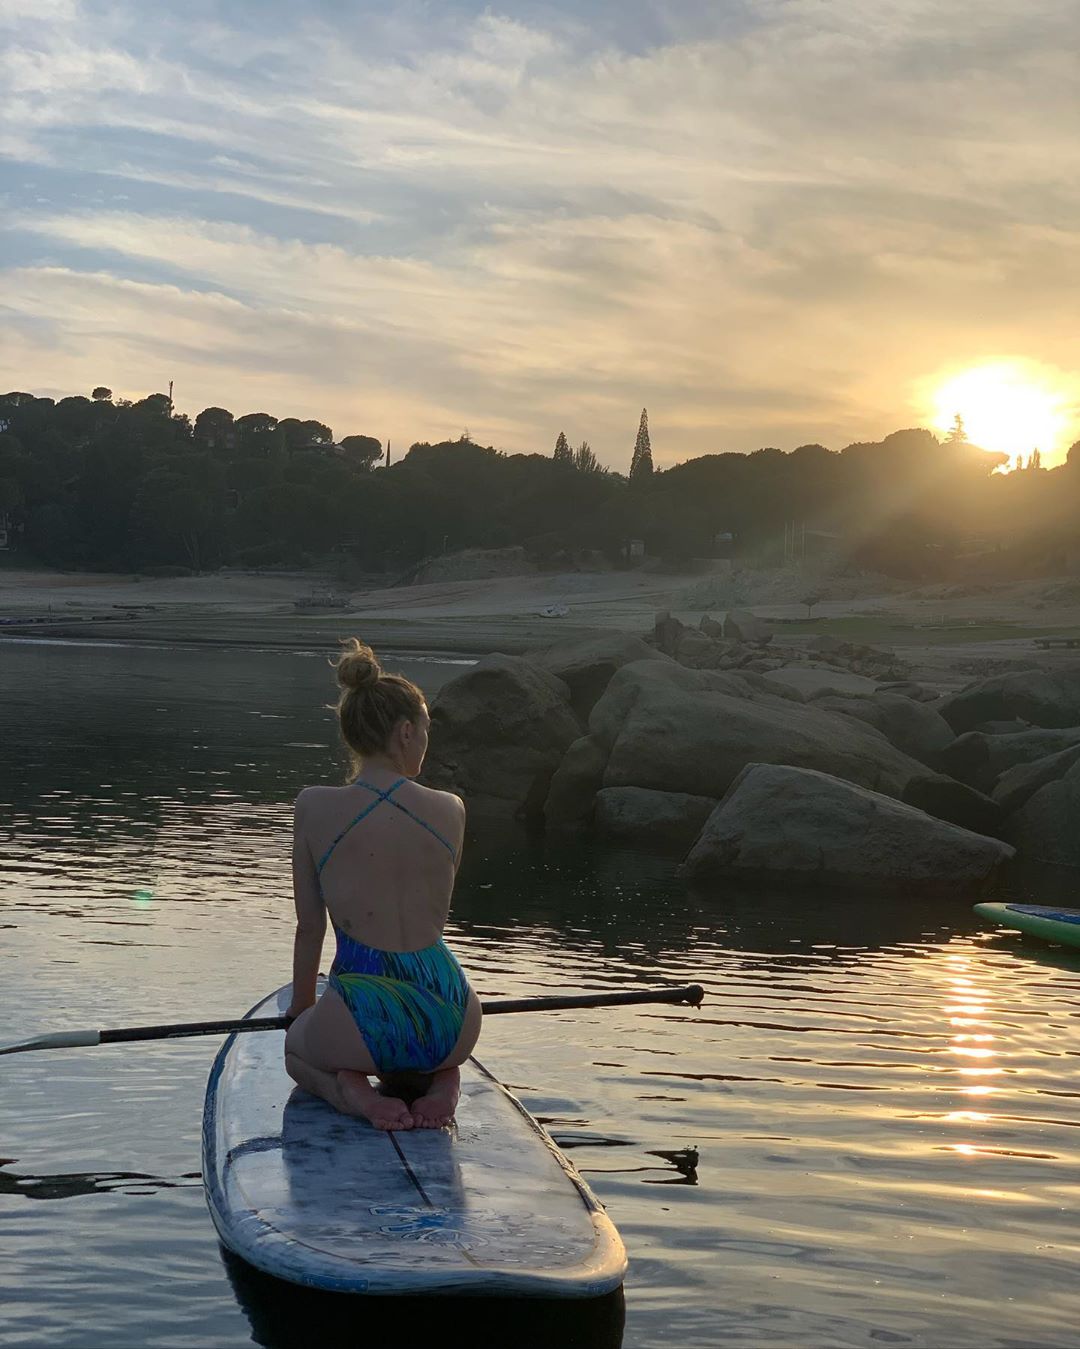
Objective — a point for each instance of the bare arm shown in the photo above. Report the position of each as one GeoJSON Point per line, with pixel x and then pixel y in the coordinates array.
{"type": "Point", "coordinates": [310, 916]}
{"type": "Point", "coordinates": [461, 834]}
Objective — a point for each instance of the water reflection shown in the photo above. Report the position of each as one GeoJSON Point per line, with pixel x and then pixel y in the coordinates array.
{"type": "Point", "coordinates": [285, 1316]}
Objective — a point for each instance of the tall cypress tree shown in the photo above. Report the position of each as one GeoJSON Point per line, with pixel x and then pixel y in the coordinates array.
{"type": "Point", "coordinates": [641, 465]}
{"type": "Point", "coordinates": [563, 453]}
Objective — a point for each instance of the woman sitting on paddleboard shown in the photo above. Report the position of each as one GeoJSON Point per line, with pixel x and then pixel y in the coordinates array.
{"type": "Point", "coordinates": [380, 856]}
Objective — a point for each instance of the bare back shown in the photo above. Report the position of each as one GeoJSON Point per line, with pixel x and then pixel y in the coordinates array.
{"type": "Point", "coordinates": [386, 878]}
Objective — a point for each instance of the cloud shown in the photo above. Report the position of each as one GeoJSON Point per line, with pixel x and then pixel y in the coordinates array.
{"type": "Point", "coordinates": [770, 225]}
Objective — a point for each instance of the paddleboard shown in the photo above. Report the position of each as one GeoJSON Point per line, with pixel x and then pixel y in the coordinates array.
{"type": "Point", "coordinates": [488, 1207]}
{"type": "Point", "coordinates": [1041, 920]}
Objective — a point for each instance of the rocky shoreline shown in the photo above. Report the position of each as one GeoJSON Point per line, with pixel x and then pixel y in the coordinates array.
{"type": "Point", "coordinates": [821, 764]}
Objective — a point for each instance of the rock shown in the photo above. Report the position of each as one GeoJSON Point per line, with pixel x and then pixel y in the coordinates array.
{"type": "Point", "coordinates": [919, 692]}
{"type": "Point", "coordinates": [666, 632]}
{"type": "Point", "coordinates": [1017, 785]}
{"type": "Point", "coordinates": [979, 759]}
{"type": "Point", "coordinates": [711, 627]}
{"type": "Point", "coordinates": [695, 649]}
{"type": "Point", "coordinates": [1044, 828]}
{"type": "Point", "coordinates": [719, 655]}
{"type": "Point", "coordinates": [763, 684]}
{"type": "Point", "coordinates": [827, 645]}
{"type": "Point", "coordinates": [586, 665]}
{"type": "Point", "coordinates": [742, 626]}
{"type": "Point", "coordinates": [610, 711]}
{"type": "Point", "coordinates": [678, 730]}
{"type": "Point", "coordinates": [812, 683]}
{"type": "Point", "coordinates": [499, 731]}
{"type": "Point", "coordinates": [912, 727]}
{"type": "Point", "coordinates": [575, 783]}
{"type": "Point", "coordinates": [791, 824]}
{"type": "Point", "coordinates": [659, 819]}
{"type": "Point", "coordinates": [946, 799]}
{"type": "Point", "coordinates": [1047, 698]}
{"type": "Point", "coordinates": [1002, 727]}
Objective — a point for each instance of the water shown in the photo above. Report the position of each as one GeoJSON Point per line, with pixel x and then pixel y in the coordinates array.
{"type": "Point", "coordinates": [866, 1136]}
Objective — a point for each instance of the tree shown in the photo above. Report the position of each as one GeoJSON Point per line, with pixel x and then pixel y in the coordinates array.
{"type": "Point", "coordinates": [257, 432]}
{"type": "Point", "coordinates": [363, 452]}
{"type": "Point", "coordinates": [155, 405]}
{"type": "Point", "coordinates": [563, 453]}
{"type": "Point", "coordinates": [300, 435]}
{"type": "Point", "coordinates": [215, 428]}
{"type": "Point", "coordinates": [641, 464]}
{"type": "Point", "coordinates": [101, 394]}
{"type": "Point", "coordinates": [172, 508]}
{"type": "Point", "coordinates": [584, 460]}
{"type": "Point", "coordinates": [957, 435]}
{"type": "Point", "coordinates": [811, 598]}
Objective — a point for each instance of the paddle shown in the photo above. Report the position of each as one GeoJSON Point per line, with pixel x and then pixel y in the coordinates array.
{"type": "Point", "coordinates": [77, 1039]}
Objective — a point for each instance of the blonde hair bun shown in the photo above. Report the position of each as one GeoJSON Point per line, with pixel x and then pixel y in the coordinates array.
{"type": "Point", "coordinates": [357, 667]}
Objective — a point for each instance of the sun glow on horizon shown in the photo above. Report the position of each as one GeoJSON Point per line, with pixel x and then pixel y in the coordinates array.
{"type": "Point", "coordinates": [1011, 407]}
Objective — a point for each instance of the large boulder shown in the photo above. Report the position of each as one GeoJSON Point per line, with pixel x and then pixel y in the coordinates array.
{"type": "Point", "coordinates": [609, 713]}
{"type": "Point", "coordinates": [980, 759]}
{"type": "Point", "coordinates": [586, 665]}
{"type": "Point", "coordinates": [499, 731]}
{"type": "Point", "coordinates": [791, 824]}
{"type": "Point", "coordinates": [946, 799]}
{"type": "Point", "coordinates": [653, 819]}
{"type": "Point", "coordinates": [678, 730]}
{"type": "Point", "coordinates": [1044, 829]}
{"type": "Point", "coordinates": [1017, 785]}
{"type": "Point", "coordinates": [742, 626]}
{"type": "Point", "coordinates": [575, 783]}
{"type": "Point", "coordinates": [1049, 698]}
{"type": "Point", "coordinates": [913, 727]}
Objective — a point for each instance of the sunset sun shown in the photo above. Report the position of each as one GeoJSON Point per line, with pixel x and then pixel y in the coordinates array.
{"type": "Point", "coordinates": [1008, 408]}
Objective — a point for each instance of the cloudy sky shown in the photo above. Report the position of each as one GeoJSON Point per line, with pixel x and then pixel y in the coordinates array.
{"type": "Point", "coordinates": [770, 221]}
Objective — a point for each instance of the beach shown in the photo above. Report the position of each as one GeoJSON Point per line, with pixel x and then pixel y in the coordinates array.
{"type": "Point", "coordinates": [946, 633]}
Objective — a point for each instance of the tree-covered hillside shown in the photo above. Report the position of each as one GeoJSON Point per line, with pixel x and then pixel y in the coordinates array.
{"type": "Point", "coordinates": [108, 484]}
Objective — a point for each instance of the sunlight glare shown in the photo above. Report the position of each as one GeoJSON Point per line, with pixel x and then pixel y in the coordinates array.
{"type": "Point", "coordinates": [1010, 407]}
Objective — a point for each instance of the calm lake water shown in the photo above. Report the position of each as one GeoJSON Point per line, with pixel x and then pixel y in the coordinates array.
{"type": "Point", "coordinates": [867, 1136]}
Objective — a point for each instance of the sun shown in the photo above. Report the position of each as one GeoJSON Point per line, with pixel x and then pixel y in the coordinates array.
{"type": "Point", "coordinates": [1010, 406]}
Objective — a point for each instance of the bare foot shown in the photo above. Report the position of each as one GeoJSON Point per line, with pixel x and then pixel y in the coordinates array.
{"type": "Point", "coordinates": [435, 1109]}
{"type": "Point", "coordinates": [359, 1097]}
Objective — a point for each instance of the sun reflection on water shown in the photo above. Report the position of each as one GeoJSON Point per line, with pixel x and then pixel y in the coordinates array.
{"type": "Point", "coordinates": [968, 998]}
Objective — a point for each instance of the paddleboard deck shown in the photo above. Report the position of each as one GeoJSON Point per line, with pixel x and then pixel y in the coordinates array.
{"type": "Point", "coordinates": [489, 1207]}
{"type": "Point", "coordinates": [1047, 921]}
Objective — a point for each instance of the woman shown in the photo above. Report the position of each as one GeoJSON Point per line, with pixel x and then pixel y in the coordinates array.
{"type": "Point", "coordinates": [380, 856]}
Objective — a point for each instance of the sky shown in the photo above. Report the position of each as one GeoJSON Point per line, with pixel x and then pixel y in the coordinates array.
{"type": "Point", "coordinates": [770, 222]}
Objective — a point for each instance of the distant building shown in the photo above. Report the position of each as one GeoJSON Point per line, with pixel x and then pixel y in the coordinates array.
{"type": "Point", "coordinates": [635, 548]}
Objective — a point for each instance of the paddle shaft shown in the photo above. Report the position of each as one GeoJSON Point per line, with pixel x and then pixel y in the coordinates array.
{"type": "Point", "coordinates": [688, 993]}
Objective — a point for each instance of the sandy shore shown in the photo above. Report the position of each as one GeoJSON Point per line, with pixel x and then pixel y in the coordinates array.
{"type": "Point", "coordinates": [944, 632]}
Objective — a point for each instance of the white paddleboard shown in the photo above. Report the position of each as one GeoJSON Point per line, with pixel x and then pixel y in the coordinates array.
{"type": "Point", "coordinates": [488, 1207]}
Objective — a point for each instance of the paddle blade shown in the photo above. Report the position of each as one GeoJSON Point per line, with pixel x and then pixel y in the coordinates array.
{"type": "Point", "coordinates": [65, 1039]}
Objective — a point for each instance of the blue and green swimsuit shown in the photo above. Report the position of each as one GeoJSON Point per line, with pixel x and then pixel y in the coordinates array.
{"type": "Point", "coordinates": [409, 1006]}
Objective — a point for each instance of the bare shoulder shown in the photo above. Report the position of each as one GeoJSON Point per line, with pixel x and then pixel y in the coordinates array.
{"type": "Point", "coordinates": [311, 799]}
{"type": "Point", "coordinates": [448, 805]}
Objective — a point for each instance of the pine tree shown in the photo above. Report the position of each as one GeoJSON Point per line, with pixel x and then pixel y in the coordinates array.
{"type": "Point", "coordinates": [957, 435]}
{"type": "Point", "coordinates": [563, 453]}
{"type": "Point", "coordinates": [641, 465]}
{"type": "Point", "coordinates": [584, 460]}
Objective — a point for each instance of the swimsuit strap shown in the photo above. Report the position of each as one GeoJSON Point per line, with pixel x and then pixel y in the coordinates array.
{"type": "Point", "coordinates": [380, 797]}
